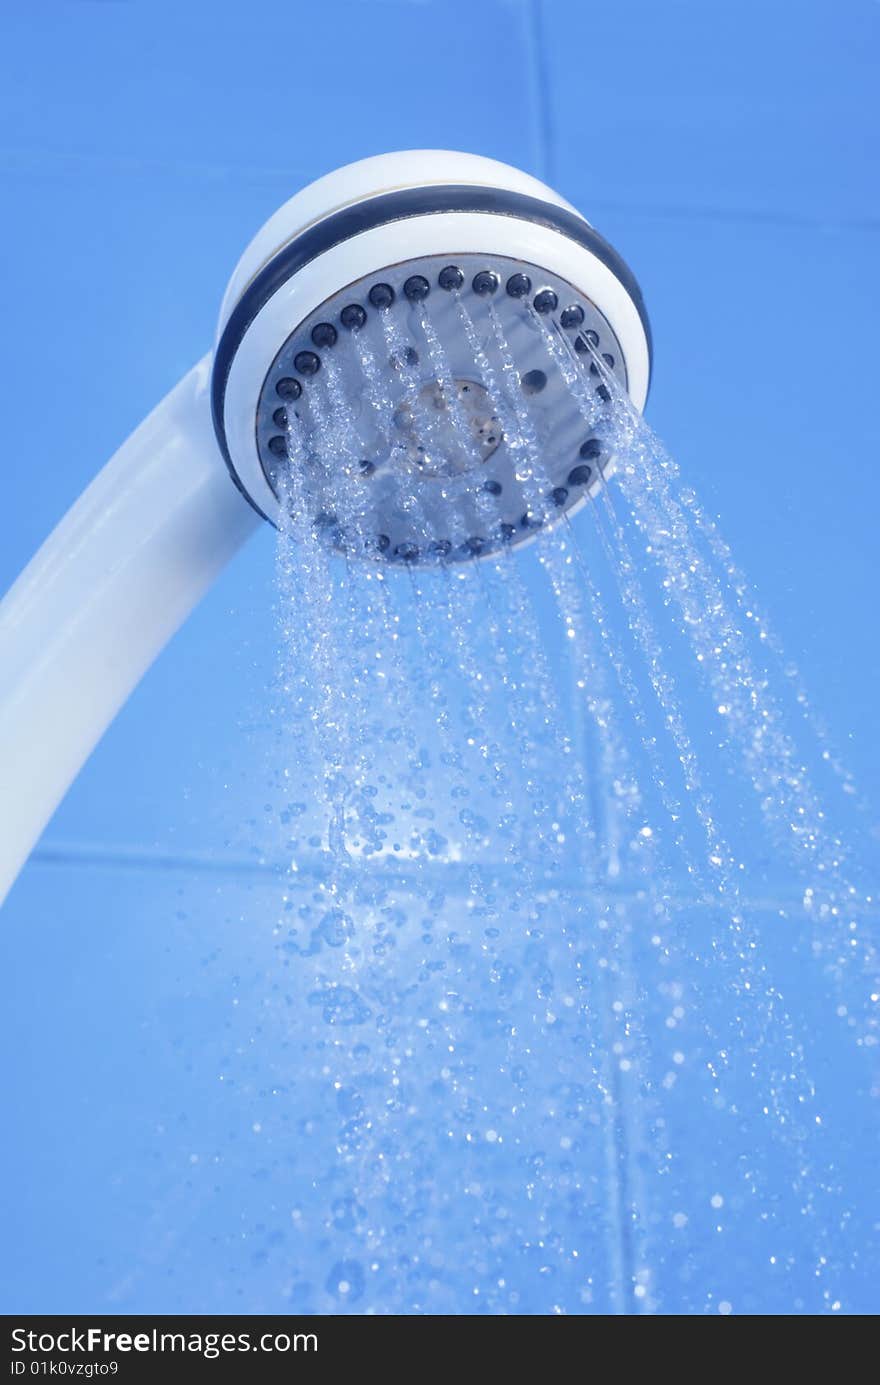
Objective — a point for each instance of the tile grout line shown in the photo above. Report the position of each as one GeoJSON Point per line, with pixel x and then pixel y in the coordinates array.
{"type": "Point", "coordinates": [60, 163]}
{"type": "Point", "coordinates": [148, 859]}
{"type": "Point", "coordinates": [533, 23]}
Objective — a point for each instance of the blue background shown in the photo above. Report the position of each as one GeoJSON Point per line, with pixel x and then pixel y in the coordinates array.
{"type": "Point", "coordinates": [728, 150]}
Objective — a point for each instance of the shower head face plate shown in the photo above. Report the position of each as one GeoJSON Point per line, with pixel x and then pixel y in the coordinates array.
{"type": "Point", "coordinates": [427, 412]}
{"type": "Point", "coordinates": [389, 387]}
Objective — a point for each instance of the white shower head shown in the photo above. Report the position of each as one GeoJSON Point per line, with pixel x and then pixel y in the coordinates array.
{"type": "Point", "coordinates": [357, 334]}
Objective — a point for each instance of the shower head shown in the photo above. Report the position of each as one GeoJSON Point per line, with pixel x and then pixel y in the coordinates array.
{"type": "Point", "coordinates": [395, 356]}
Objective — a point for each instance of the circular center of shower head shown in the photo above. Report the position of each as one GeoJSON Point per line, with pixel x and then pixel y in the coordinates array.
{"type": "Point", "coordinates": [439, 409]}
{"type": "Point", "coordinates": [451, 427]}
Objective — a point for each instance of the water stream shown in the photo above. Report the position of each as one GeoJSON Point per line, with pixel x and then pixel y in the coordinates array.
{"type": "Point", "coordinates": [572, 920]}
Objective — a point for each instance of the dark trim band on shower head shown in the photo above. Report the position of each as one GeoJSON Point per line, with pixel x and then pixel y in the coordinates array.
{"type": "Point", "coordinates": [379, 211]}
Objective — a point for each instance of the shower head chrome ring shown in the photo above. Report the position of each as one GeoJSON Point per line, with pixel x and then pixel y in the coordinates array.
{"type": "Point", "coordinates": [384, 220]}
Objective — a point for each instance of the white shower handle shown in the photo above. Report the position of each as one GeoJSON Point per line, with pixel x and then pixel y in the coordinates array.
{"type": "Point", "coordinates": [102, 597]}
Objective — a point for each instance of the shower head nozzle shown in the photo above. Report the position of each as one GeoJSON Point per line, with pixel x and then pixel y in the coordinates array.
{"type": "Point", "coordinates": [396, 352]}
